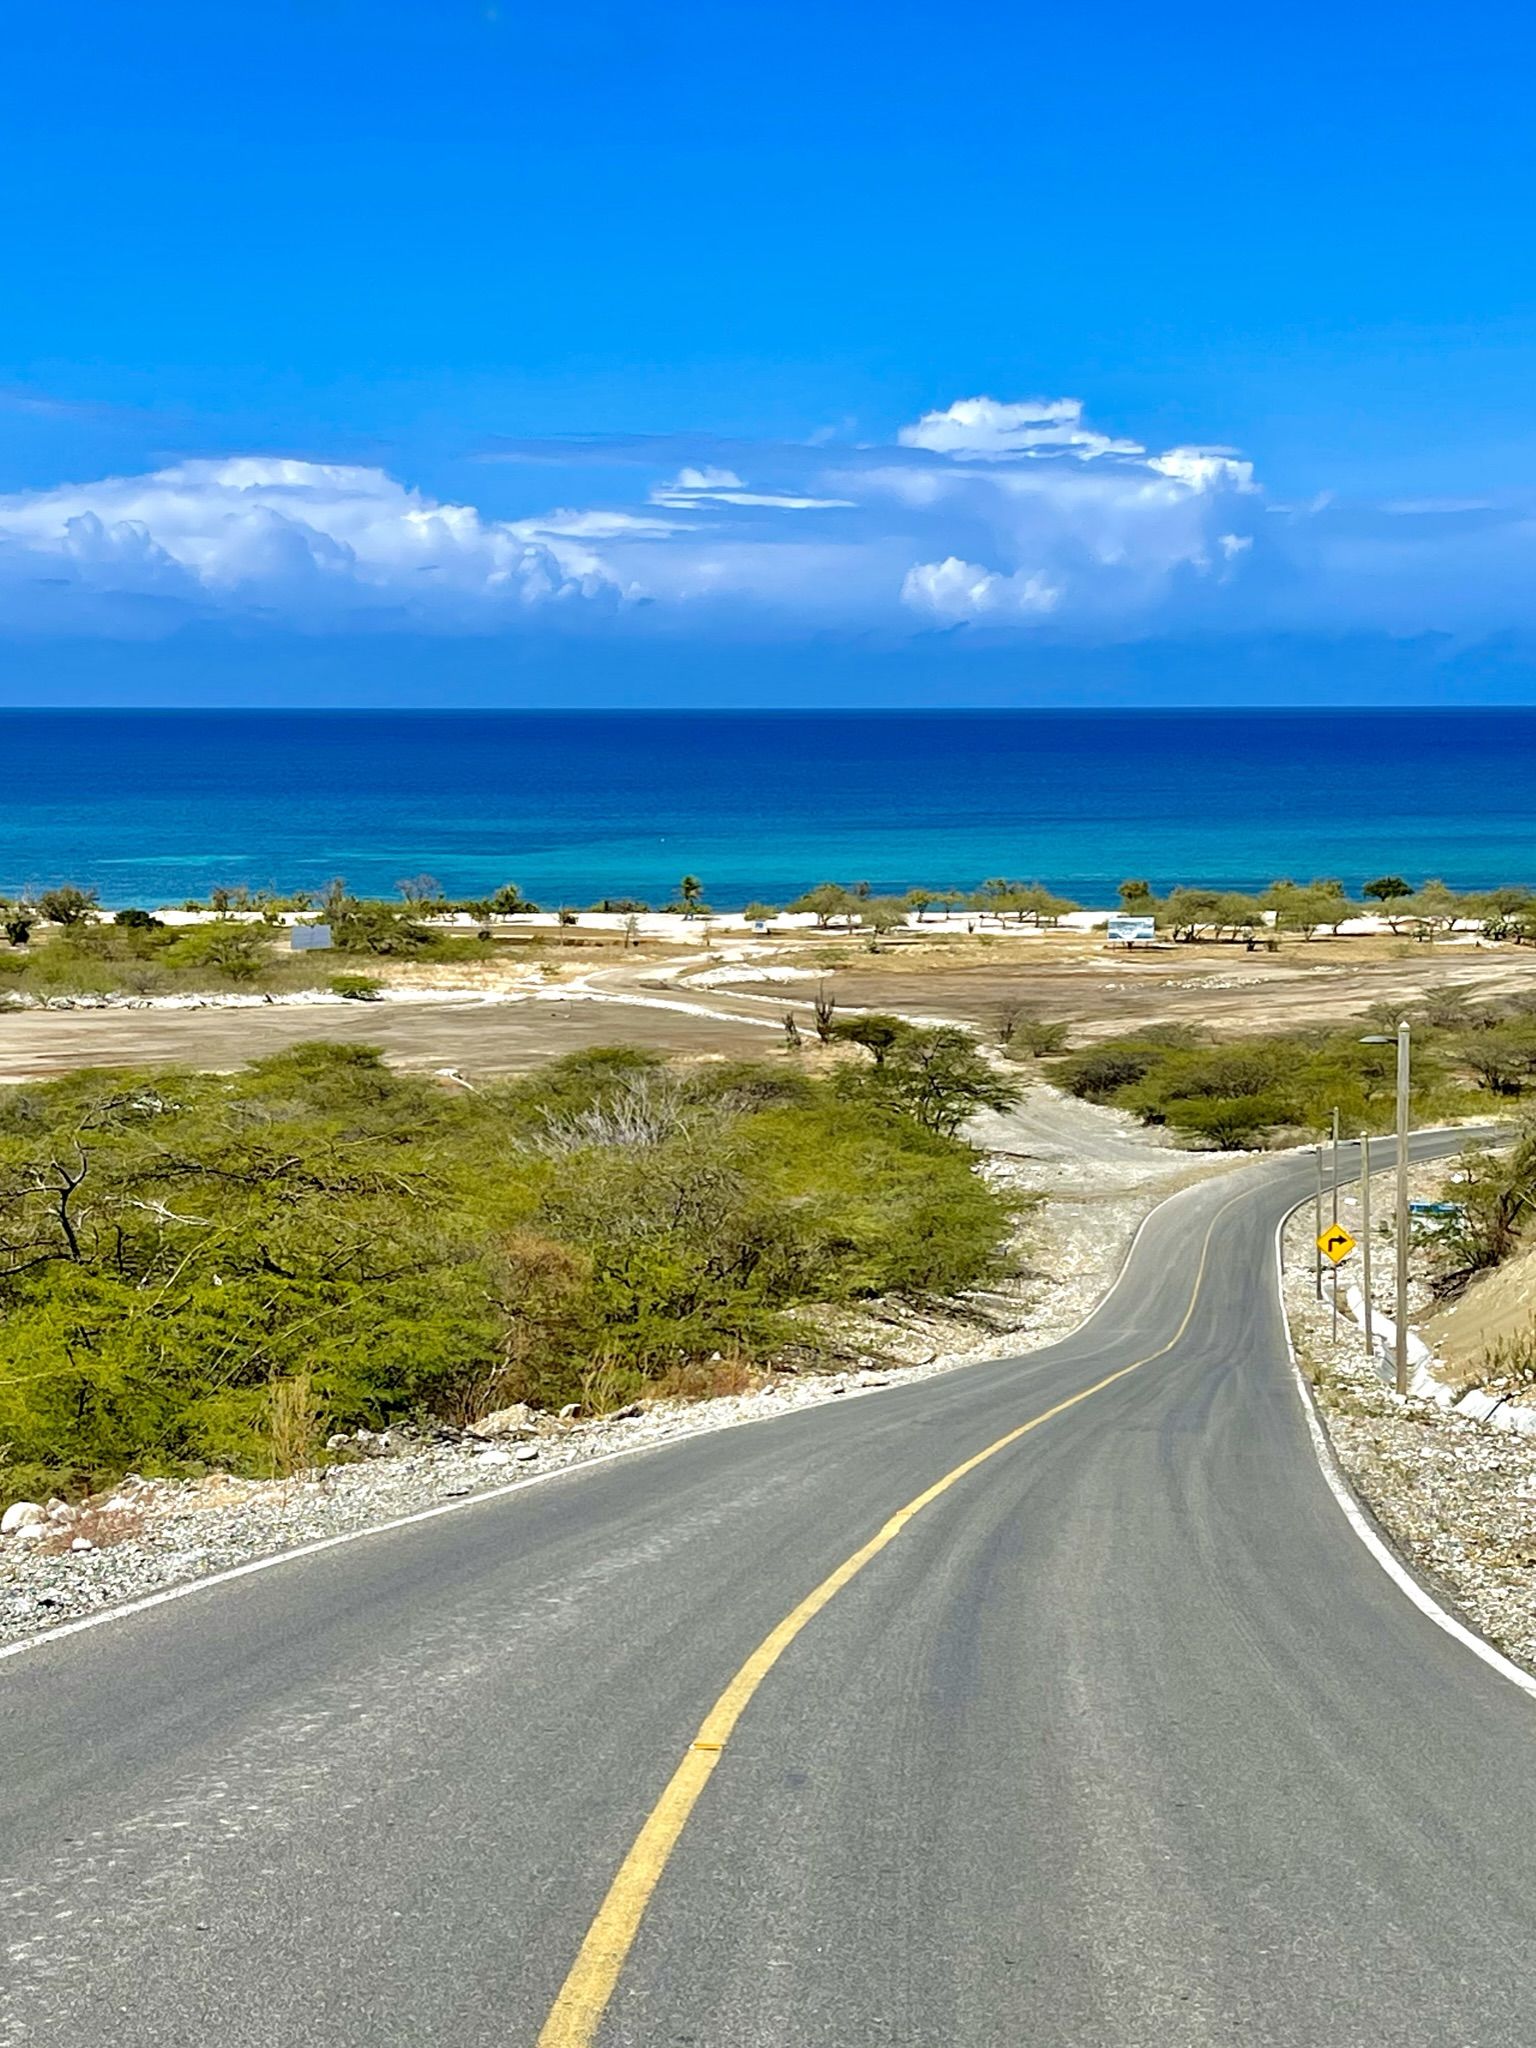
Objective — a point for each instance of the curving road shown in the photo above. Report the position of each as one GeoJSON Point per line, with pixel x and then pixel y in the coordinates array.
{"type": "Point", "coordinates": [1121, 1740]}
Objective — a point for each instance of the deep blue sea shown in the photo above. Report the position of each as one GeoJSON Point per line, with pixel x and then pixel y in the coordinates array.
{"type": "Point", "coordinates": [153, 807]}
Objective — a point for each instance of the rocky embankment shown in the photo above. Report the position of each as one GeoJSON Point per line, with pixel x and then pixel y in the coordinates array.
{"type": "Point", "coordinates": [1455, 1490]}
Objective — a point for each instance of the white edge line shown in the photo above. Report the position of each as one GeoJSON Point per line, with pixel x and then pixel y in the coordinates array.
{"type": "Point", "coordinates": [1354, 1514]}
{"type": "Point", "coordinates": [271, 1562]}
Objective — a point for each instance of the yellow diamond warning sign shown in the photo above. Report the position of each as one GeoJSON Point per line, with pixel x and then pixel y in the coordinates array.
{"type": "Point", "coordinates": [1336, 1243]}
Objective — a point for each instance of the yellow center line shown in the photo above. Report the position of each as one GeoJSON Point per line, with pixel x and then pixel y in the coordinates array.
{"type": "Point", "coordinates": [583, 1999]}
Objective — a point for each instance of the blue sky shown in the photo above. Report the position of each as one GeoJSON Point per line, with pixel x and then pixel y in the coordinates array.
{"type": "Point", "coordinates": [463, 352]}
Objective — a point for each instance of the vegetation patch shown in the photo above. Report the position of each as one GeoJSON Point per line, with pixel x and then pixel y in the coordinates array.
{"type": "Point", "coordinates": [205, 1270]}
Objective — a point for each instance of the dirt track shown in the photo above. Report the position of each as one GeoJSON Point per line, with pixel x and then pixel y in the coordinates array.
{"type": "Point", "coordinates": [484, 1038]}
{"type": "Point", "coordinates": [657, 1003]}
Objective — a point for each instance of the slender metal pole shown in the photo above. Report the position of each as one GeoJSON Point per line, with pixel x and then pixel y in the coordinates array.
{"type": "Point", "coordinates": [1334, 1164]}
{"type": "Point", "coordinates": [1317, 1230]}
{"type": "Point", "coordinates": [1365, 1240]}
{"type": "Point", "coordinates": [1403, 1055]}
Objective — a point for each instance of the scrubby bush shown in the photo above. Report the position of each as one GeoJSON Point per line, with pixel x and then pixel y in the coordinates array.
{"type": "Point", "coordinates": [1231, 1094]}
{"type": "Point", "coordinates": [67, 905]}
{"type": "Point", "coordinates": [204, 1270]}
{"type": "Point", "coordinates": [233, 948]}
{"type": "Point", "coordinates": [359, 927]}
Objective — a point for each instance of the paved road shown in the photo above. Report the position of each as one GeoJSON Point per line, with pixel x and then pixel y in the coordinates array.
{"type": "Point", "coordinates": [1124, 1741]}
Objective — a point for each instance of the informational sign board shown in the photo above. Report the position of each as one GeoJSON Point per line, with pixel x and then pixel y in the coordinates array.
{"type": "Point", "coordinates": [309, 938]}
{"type": "Point", "coordinates": [1335, 1243]}
{"type": "Point", "coordinates": [1130, 931]}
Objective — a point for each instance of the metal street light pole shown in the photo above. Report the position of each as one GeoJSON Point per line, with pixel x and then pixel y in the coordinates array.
{"type": "Point", "coordinates": [1404, 1059]}
{"type": "Point", "coordinates": [1334, 1290]}
{"type": "Point", "coordinates": [1335, 1164]}
{"type": "Point", "coordinates": [1317, 1230]}
{"type": "Point", "coordinates": [1365, 1239]}
{"type": "Point", "coordinates": [1403, 1056]}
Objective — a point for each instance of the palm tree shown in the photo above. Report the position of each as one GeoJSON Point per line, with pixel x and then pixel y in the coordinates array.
{"type": "Point", "coordinates": [691, 890]}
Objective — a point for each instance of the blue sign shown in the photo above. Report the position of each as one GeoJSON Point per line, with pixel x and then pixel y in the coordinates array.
{"type": "Point", "coordinates": [1130, 931]}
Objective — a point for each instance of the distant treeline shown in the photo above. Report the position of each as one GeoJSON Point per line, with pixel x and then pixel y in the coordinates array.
{"type": "Point", "coordinates": [1187, 913]}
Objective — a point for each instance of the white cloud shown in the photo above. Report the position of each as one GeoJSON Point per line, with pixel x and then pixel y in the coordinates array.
{"type": "Point", "coordinates": [994, 515]}
{"type": "Point", "coordinates": [958, 591]}
{"type": "Point", "coordinates": [987, 429]}
{"type": "Point", "coordinates": [707, 486]}
{"type": "Point", "coordinates": [312, 542]}
{"type": "Point", "coordinates": [1204, 469]}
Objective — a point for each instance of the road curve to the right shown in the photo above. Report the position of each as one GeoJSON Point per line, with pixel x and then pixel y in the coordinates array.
{"type": "Point", "coordinates": [1124, 1740]}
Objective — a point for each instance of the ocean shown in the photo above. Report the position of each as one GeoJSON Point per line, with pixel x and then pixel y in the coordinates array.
{"type": "Point", "coordinates": [153, 807]}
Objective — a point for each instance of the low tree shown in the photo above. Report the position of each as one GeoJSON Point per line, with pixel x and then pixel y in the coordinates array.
{"type": "Point", "coordinates": [1135, 897]}
{"type": "Point", "coordinates": [509, 901]}
{"type": "Point", "coordinates": [881, 914]}
{"type": "Point", "coordinates": [875, 1031]}
{"type": "Point", "coordinates": [237, 950]}
{"type": "Point", "coordinates": [18, 927]}
{"type": "Point", "coordinates": [1503, 1057]}
{"type": "Point", "coordinates": [1233, 1123]}
{"type": "Point", "coordinates": [1307, 908]}
{"type": "Point", "coordinates": [1032, 900]}
{"type": "Point", "coordinates": [826, 901]}
{"type": "Point", "coordinates": [1190, 913]}
{"type": "Point", "coordinates": [937, 1077]}
{"type": "Point", "coordinates": [358, 927]}
{"type": "Point", "coordinates": [921, 901]}
{"type": "Point", "coordinates": [1434, 910]}
{"type": "Point", "coordinates": [417, 891]}
{"type": "Point", "coordinates": [68, 905]}
{"type": "Point", "coordinates": [1387, 889]}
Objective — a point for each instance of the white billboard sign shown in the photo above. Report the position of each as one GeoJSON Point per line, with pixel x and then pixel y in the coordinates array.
{"type": "Point", "coordinates": [1130, 931]}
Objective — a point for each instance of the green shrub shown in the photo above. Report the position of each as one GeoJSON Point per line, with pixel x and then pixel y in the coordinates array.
{"type": "Point", "coordinates": [195, 1270]}
{"type": "Point", "coordinates": [357, 988]}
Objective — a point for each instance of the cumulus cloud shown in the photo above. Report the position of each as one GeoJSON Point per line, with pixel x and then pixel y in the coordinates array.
{"type": "Point", "coordinates": [986, 429]}
{"type": "Point", "coordinates": [957, 591]}
{"type": "Point", "coordinates": [990, 516]}
{"type": "Point", "coordinates": [313, 543]}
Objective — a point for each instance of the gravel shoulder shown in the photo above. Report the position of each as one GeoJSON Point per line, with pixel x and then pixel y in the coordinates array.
{"type": "Point", "coordinates": [1457, 1495]}
{"type": "Point", "coordinates": [1093, 1173]}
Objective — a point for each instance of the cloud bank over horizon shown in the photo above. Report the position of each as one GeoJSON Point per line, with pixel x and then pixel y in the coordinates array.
{"type": "Point", "coordinates": [985, 519]}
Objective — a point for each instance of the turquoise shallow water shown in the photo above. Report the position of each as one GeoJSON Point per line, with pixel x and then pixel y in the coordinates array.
{"type": "Point", "coordinates": [152, 807]}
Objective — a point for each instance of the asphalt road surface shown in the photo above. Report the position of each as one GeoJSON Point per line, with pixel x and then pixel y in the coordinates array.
{"type": "Point", "coordinates": [1123, 1740]}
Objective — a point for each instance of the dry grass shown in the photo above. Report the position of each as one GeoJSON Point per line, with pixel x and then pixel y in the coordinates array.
{"type": "Point", "coordinates": [706, 1379]}
{"type": "Point", "coordinates": [295, 1426]}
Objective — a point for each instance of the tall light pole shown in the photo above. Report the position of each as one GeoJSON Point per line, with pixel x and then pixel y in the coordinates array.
{"type": "Point", "coordinates": [1335, 1166]}
{"type": "Point", "coordinates": [1404, 1055]}
{"type": "Point", "coordinates": [1365, 1239]}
